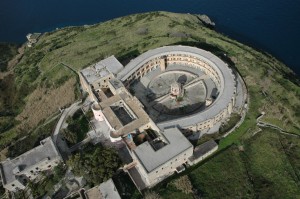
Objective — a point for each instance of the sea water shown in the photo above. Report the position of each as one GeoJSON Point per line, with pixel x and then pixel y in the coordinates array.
{"type": "Point", "coordinates": [269, 25]}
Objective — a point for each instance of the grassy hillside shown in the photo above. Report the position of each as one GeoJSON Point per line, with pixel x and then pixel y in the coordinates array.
{"type": "Point", "coordinates": [7, 52]}
{"type": "Point", "coordinates": [267, 166]}
{"type": "Point", "coordinates": [44, 80]}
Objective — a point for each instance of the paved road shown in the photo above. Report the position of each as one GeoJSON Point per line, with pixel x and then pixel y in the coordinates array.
{"type": "Point", "coordinates": [60, 144]}
{"type": "Point", "coordinates": [66, 112]}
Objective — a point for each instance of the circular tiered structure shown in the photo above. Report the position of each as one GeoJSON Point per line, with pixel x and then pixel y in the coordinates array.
{"type": "Point", "coordinates": [182, 86]}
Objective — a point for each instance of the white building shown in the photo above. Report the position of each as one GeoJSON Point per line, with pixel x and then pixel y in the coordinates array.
{"type": "Point", "coordinates": [203, 151]}
{"type": "Point", "coordinates": [159, 149]}
{"type": "Point", "coordinates": [15, 173]}
{"type": "Point", "coordinates": [159, 159]}
{"type": "Point", "coordinates": [104, 190]}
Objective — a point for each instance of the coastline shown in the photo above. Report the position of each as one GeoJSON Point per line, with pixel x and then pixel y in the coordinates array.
{"type": "Point", "coordinates": [43, 79]}
{"type": "Point", "coordinates": [209, 23]}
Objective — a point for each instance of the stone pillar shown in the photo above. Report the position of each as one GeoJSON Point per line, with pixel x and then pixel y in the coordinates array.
{"type": "Point", "coordinates": [230, 108]}
{"type": "Point", "coordinates": [176, 90]}
{"type": "Point", "coordinates": [208, 102]}
{"type": "Point", "coordinates": [162, 64]}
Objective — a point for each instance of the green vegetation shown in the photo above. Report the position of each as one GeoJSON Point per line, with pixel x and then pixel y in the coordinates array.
{"type": "Point", "coordinates": [224, 176]}
{"type": "Point", "coordinates": [7, 97]}
{"type": "Point", "coordinates": [234, 118]}
{"type": "Point", "coordinates": [6, 123]}
{"type": "Point", "coordinates": [7, 90]}
{"type": "Point", "coordinates": [56, 76]}
{"type": "Point", "coordinates": [95, 163]}
{"type": "Point", "coordinates": [179, 188]}
{"type": "Point", "coordinates": [271, 170]}
{"type": "Point", "coordinates": [207, 137]}
{"type": "Point", "coordinates": [46, 185]}
{"type": "Point", "coordinates": [45, 66]}
{"type": "Point", "coordinates": [125, 186]}
{"type": "Point", "coordinates": [249, 125]}
{"type": "Point", "coordinates": [7, 52]}
{"type": "Point", "coordinates": [32, 140]}
{"type": "Point", "coordinates": [2, 192]}
{"type": "Point", "coordinates": [265, 166]}
{"type": "Point", "coordinates": [89, 115]}
{"type": "Point", "coordinates": [78, 126]}
{"type": "Point", "coordinates": [268, 166]}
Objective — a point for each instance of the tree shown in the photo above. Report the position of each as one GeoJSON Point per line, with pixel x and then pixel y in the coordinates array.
{"type": "Point", "coordinates": [59, 172]}
{"type": "Point", "coordinates": [46, 185]}
{"type": "Point", "coordinates": [70, 136]}
{"type": "Point", "coordinates": [95, 163]}
{"type": "Point", "coordinates": [77, 128]}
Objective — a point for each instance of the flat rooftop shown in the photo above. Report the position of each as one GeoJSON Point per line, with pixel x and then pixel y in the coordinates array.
{"type": "Point", "coordinates": [116, 83]}
{"type": "Point", "coordinates": [104, 190]}
{"type": "Point", "coordinates": [133, 104]}
{"type": "Point", "coordinates": [25, 161]}
{"type": "Point", "coordinates": [137, 178]}
{"type": "Point", "coordinates": [102, 69]}
{"type": "Point", "coordinates": [225, 74]}
{"type": "Point", "coordinates": [203, 149]}
{"type": "Point", "coordinates": [176, 144]}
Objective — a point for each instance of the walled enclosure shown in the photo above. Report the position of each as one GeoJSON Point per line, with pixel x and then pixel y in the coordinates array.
{"type": "Point", "coordinates": [195, 58]}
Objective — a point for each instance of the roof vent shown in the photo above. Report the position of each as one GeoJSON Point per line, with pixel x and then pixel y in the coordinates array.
{"type": "Point", "coordinates": [16, 170]}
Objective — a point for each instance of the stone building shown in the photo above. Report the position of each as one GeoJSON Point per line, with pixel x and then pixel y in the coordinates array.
{"type": "Point", "coordinates": [193, 59]}
{"type": "Point", "coordinates": [15, 173]}
{"type": "Point", "coordinates": [158, 149]}
{"type": "Point", "coordinates": [176, 90]}
{"type": "Point", "coordinates": [203, 151]}
{"type": "Point", "coordinates": [32, 38]}
{"type": "Point", "coordinates": [105, 190]}
{"type": "Point", "coordinates": [160, 158]}
{"type": "Point", "coordinates": [95, 79]}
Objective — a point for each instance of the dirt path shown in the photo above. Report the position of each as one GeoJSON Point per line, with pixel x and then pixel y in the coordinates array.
{"type": "Point", "coordinates": [280, 130]}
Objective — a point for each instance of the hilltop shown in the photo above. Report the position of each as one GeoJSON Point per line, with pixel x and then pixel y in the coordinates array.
{"type": "Point", "coordinates": [43, 79]}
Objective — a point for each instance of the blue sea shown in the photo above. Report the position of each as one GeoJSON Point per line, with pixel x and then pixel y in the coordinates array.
{"type": "Point", "coordinates": [269, 25]}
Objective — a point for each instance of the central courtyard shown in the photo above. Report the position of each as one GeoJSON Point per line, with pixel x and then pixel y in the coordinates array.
{"type": "Point", "coordinates": [154, 91]}
{"type": "Point", "coordinates": [159, 101]}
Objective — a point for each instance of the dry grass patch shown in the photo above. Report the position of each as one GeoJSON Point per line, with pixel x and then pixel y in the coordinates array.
{"type": "Point", "coordinates": [43, 102]}
{"type": "Point", "coordinates": [152, 195]}
{"type": "Point", "coordinates": [3, 154]}
{"type": "Point", "coordinates": [183, 184]}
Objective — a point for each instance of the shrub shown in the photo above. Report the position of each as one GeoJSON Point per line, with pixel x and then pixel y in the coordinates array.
{"type": "Point", "coordinates": [95, 163]}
